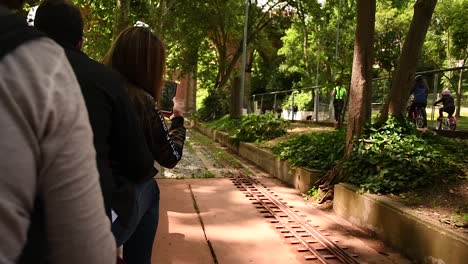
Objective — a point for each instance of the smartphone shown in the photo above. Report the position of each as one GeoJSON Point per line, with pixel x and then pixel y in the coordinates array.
{"type": "Point", "coordinates": [168, 93]}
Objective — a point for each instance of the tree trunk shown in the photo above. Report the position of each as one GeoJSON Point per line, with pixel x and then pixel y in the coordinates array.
{"type": "Point", "coordinates": [228, 69]}
{"type": "Point", "coordinates": [460, 90]}
{"type": "Point", "coordinates": [361, 78]}
{"type": "Point", "coordinates": [191, 100]}
{"type": "Point", "coordinates": [459, 94]}
{"type": "Point", "coordinates": [122, 10]}
{"type": "Point", "coordinates": [236, 111]}
{"type": "Point", "coordinates": [403, 79]}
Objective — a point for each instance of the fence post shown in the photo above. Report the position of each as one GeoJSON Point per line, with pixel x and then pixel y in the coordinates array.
{"type": "Point", "coordinates": [436, 83]}
{"type": "Point", "coordinates": [261, 104]}
{"type": "Point", "coordinates": [316, 104]}
{"type": "Point", "coordinates": [274, 103]}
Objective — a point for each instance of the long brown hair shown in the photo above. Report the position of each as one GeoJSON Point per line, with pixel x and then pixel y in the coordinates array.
{"type": "Point", "coordinates": [139, 55]}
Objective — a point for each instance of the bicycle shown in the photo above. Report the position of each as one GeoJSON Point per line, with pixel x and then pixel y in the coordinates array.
{"type": "Point", "coordinates": [447, 123]}
{"type": "Point", "coordinates": [418, 117]}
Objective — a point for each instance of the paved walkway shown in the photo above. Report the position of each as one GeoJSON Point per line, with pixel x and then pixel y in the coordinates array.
{"type": "Point", "coordinates": [237, 233]}
{"type": "Point", "coordinates": [233, 227]}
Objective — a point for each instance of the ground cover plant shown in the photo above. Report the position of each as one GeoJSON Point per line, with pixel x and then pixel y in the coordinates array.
{"type": "Point", "coordinates": [390, 158]}
{"type": "Point", "coordinates": [252, 127]}
{"type": "Point", "coordinates": [316, 150]}
{"type": "Point", "coordinates": [395, 157]}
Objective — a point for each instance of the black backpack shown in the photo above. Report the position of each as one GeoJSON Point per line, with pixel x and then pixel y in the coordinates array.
{"type": "Point", "coordinates": [13, 33]}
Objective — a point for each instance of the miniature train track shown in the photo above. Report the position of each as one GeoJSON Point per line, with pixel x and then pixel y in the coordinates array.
{"type": "Point", "coordinates": [291, 225]}
{"type": "Point", "coordinates": [316, 243]}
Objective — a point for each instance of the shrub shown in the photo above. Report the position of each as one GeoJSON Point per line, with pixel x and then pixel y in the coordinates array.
{"type": "Point", "coordinates": [261, 127]}
{"type": "Point", "coordinates": [303, 100]}
{"type": "Point", "coordinates": [214, 107]}
{"type": "Point", "coordinates": [315, 150]}
{"type": "Point", "coordinates": [226, 124]}
{"type": "Point", "coordinates": [252, 127]}
{"type": "Point", "coordinates": [396, 157]}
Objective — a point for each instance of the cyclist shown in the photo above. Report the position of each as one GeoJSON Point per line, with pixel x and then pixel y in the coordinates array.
{"type": "Point", "coordinates": [419, 92]}
{"type": "Point", "coordinates": [448, 104]}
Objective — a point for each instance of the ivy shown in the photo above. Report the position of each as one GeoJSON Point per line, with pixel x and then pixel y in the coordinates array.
{"type": "Point", "coordinates": [391, 158]}
{"type": "Point", "coordinates": [315, 150]}
{"type": "Point", "coordinates": [252, 127]}
{"type": "Point", "coordinates": [396, 157]}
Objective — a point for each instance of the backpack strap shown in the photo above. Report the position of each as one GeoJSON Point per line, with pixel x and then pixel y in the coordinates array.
{"type": "Point", "coordinates": [14, 31]}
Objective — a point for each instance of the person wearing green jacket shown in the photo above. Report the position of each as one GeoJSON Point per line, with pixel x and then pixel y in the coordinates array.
{"type": "Point", "coordinates": [339, 93]}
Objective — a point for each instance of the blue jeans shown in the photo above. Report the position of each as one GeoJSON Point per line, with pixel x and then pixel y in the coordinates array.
{"type": "Point", "coordinates": [138, 238]}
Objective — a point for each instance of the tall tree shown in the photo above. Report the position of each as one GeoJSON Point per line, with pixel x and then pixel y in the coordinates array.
{"type": "Point", "coordinates": [403, 78]}
{"type": "Point", "coordinates": [361, 78]}
{"type": "Point", "coordinates": [391, 25]}
{"type": "Point", "coordinates": [452, 16]}
{"type": "Point", "coordinates": [360, 92]}
{"type": "Point", "coordinates": [121, 16]}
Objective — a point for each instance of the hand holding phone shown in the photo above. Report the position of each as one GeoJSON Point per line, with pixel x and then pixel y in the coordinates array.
{"type": "Point", "coordinates": [178, 108]}
{"type": "Point", "coordinates": [168, 94]}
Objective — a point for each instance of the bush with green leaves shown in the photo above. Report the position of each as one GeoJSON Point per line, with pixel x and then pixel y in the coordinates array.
{"type": "Point", "coordinates": [261, 127]}
{"type": "Point", "coordinates": [395, 157]}
{"type": "Point", "coordinates": [318, 150]}
{"type": "Point", "coordinates": [214, 107]}
{"type": "Point", "coordinates": [226, 124]}
{"type": "Point", "coordinates": [252, 127]}
{"type": "Point", "coordinates": [303, 100]}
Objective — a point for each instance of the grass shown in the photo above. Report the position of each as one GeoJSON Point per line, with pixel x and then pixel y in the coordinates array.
{"type": "Point", "coordinates": [462, 121]}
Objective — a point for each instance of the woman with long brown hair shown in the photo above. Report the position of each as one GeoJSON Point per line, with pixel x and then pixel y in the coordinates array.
{"type": "Point", "coordinates": [140, 57]}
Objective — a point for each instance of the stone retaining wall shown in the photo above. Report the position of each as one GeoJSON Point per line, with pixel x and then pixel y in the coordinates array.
{"type": "Point", "coordinates": [401, 228]}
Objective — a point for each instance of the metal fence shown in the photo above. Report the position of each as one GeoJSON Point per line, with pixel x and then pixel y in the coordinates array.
{"type": "Point", "coordinates": [322, 101]}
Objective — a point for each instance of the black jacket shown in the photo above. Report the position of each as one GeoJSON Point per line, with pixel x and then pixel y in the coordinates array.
{"type": "Point", "coordinates": [123, 157]}
{"type": "Point", "coordinates": [446, 100]}
{"type": "Point", "coordinates": [166, 144]}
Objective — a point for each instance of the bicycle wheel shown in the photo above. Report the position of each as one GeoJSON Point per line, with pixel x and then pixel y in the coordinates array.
{"type": "Point", "coordinates": [453, 127]}
{"type": "Point", "coordinates": [452, 124]}
{"type": "Point", "coordinates": [445, 124]}
{"type": "Point", "coordinates": [419, 120]}
{"type": "Point", "coordinates": [439, 124]}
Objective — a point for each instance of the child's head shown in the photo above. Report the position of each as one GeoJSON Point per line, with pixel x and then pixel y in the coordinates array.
{"type": "Point", "coordinates": [446, 92]}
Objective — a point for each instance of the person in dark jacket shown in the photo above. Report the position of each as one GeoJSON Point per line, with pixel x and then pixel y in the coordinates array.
{"type": "Point", "coordinates": [139, 55]}
{"type": "Point", "coordinates": [420, 91]}
{"type": "Point", "coordinates": [122, 155]}
{"type": "Point", "coordinates": [51, 203]}
{"type": "Point", "coordinates": [448, 104]}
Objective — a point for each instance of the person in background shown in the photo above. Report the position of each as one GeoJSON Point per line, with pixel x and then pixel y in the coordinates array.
{"type": "Point", "coordinates": [139, 55]}
{"type": "Point", "coordinates": [339, 93]}
{"type": "Point", "coordinates": [420, 91]}
{"type": "Point", "coordinates": [448, 104]}
{"type": "Point", "coordinates": [48, 173]}
{"type": "Point", "coordinates": [294, 111]}
{"type": "Point", "coordinates": [123, 157]}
